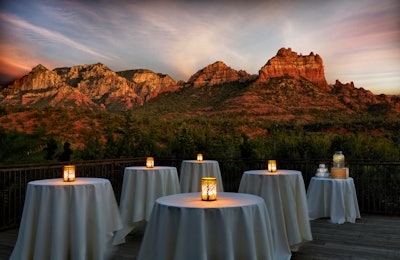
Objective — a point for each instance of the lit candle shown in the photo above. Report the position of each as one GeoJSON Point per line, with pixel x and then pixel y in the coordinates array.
{"type": "Point", "coordinates": [149, 162]}
{"type": "Point", "coordinates": [199, 157]}
{"type": "Point", "coordinates": [69, 173]}
{"type": "Point", "coordinates": [272, 165]}
{"type": "Point", "coordinates": [208, 188]}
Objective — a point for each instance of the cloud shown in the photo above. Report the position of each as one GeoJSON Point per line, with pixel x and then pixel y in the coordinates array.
{"type": "Point", "coordinates": [49, 35]}
{"type": "Point", "coordinates": [354, 38]}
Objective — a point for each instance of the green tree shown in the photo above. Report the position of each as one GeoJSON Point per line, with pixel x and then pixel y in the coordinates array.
{"type": "Point", "coordinates": [65, 156]}
{"type": "Point", "coordinates": [51, 149]}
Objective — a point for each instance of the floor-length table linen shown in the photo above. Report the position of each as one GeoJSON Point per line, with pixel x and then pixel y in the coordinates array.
{"type": "Point", "coordinates": [285, 196]}
{"type": "Point", "coordinates": [140, 188]}
{"type": "Point", "coordinates": [182, 226]}
{"type": "Point", "coordinates": [334, 198]}
{"type": "Point", "coordinates": [192, 171]}
{"type": "Point", "coordinates": [68, 220]}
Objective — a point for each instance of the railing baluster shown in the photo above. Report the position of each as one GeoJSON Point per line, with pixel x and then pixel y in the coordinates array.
{"type": "Point", "coordinates": [377, 183]}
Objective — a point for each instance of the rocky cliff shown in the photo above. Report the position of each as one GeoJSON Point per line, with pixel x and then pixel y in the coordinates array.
{"type": "Point", "coordinates": [39, 78]}
{"type": "Point", "coordinates": [360, 99]}
{"type": "Point", "coordinates": [217, 73]}
{"type": "Point", "coordinates": [289, 63]}
{"type": "Point", "coordinates": [288, 84]}
{"type": "Point", "coordinates": [92, 86]}
{"type": "Point", "coordinates": [44, 88]}
{"type": "Point", "coordinates": [102, 85]}
{"type": "Point", "coordinates": [148, 83]}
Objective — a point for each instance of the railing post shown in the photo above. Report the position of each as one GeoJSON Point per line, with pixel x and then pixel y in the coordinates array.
{"type": "Point", "coordinates": [377, 183]}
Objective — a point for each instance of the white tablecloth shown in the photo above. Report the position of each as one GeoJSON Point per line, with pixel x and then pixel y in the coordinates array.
{"type": "Point", "coordinates": [334, 198]}
{"type": "Point", "coordinates": [192, 171]}
{"type": "Point", "coordinates": [140, 189]}
{"type": "Point", "coordinates": [285, 196]}
{"type": "Point", "coordinates": [182, 226]}
{"type": "Point", "coordinates": [67, 220]}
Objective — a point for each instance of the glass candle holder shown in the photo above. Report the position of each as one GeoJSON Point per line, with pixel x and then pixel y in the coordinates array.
{"type": "Point", "coordinates": [149, 162]}
{"type": "Point", "coordinates": [208, 188]}
{"type": "Point", "coordinates": [338, 159]}
{"type": "Point", "coordinates": [69, 173]}
{"type": "Point", "coordinates": [272, 165]}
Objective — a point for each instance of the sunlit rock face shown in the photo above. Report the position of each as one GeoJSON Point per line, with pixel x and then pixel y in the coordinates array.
{"type": "Point", "coordinates": [102, 85]}
{"type": "Point", "coordinates": [289, 63]}
{"type": "Point", "coordinates": [148, 84]}
{"type": "Point", "coordinates": [217, 73]}
{"type": "Point", "coordinates": [92, 86]}
{"type": "Point", "coordinates": [360, 99]}
{"type": "Point", "coordinates": [38, 79]}
{"type": "Point", "coordinates": [289, 84]}
{"type": "Point", "coordinates": [42, 87]}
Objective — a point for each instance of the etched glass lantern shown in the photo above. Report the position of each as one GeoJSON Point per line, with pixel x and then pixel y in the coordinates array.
{"type": "Point", "coordinates": [149, 162]}
{"type": "Point", "coordinates": [69, 173]}
{"type": "Point", "coordinates": [208, 188]}
{"type": "Point", "coordinates": [272, 165]}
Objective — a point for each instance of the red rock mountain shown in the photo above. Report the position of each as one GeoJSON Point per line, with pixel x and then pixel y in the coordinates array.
{"type": "Point", "coordinates": [43, 87]}
{"type": "Point", "coordinates": [217, 73]}
{"type": "Point", "coordinates": [102, 85]}
{"type": "Point", "coordinates": [92, 86]}
{"type": "Point", "coordinates": [360, 99]}
{"type": "Point", "coordinates": [286, 84]}
{"type": "Point", "coordinates": [148, 84]}
{"type": "Point", "coordinates": [289, 63]}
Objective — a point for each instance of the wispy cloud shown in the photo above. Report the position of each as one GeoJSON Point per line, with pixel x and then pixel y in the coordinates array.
{"type": "Point", "coordinates": [49, 35]}
{"type": "Point", "coordinates": [357, 40]}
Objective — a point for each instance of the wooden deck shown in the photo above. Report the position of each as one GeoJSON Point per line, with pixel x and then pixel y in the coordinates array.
{"type": "Point", "coordinates": [372, 237]}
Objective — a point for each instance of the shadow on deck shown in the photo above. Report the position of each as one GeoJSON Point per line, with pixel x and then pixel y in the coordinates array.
{"type": "Point", "coordinates": [371, 237]}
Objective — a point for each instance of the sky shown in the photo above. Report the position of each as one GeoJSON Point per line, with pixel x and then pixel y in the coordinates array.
{"type": "Point", "coordinates": [358, 40]}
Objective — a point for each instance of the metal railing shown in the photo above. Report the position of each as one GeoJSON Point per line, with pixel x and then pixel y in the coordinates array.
{"type": "Point", "coordinates": [377, 183]}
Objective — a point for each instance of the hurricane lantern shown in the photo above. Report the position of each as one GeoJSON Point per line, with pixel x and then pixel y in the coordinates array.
{"type": "Point", "coordinates": [272, 165]}
{"type": "Point", "coordinates": [69, 173]}
{"type": "Point", "coordinates": [208, 188]}
{"type": "Point", "coordinates": [149, 162]}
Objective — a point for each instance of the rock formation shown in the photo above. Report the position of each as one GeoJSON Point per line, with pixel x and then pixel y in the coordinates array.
{"type": "Point", "coordinates": [42, 86]}
{"type": "Point", "coordinates": [359, 98]}
{"type": "Point", "coordinates": [149, 84]}
{"type": "Point", "coordinates": [288, 84]}
{"type": "Point", "coordinates": [92, 86]}
{"type": "Point", "coordinates": [217, 73]}
{"type": "Point", "coordinates": [102, 85]}
{"type": "Point", "coordinates": [39, 78]}
{"type": "Point", "coordinates": [289, 63]}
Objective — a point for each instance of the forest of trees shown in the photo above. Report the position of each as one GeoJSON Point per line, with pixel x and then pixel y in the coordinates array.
{"type": "Point", "coordinates": [130, 135]}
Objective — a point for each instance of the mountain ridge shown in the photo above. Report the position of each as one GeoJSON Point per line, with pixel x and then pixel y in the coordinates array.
{"type": "Point", "coordinates": [289, 84]}
{"type": "Point", "coordinates": [94, 108]}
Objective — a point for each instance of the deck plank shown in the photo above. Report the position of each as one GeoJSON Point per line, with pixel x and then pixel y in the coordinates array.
{"type": "Point", "coordinates": [371, 237]}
